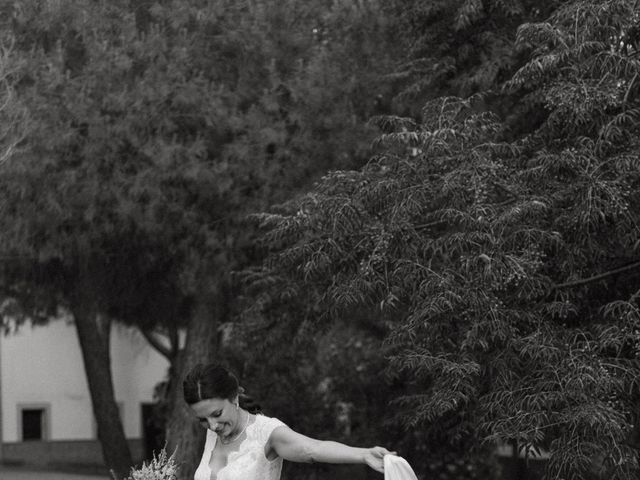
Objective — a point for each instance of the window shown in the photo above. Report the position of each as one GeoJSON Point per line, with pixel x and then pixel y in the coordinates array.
{"type": "Point", "coordinates": [33, 422]}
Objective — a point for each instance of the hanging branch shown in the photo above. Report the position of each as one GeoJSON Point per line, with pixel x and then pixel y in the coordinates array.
{"type": "Point", "coordinates": [157, 344]}
{"type": "Point", "coordinates": [595, 278]}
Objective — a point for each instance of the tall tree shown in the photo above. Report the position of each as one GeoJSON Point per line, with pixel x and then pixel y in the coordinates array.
{"type": "Point", "coordinates": [510, 266]}
{"type": "Point", "coordinates": [79, 209]}
{"type": "Point", "coordinates": [156, 127]}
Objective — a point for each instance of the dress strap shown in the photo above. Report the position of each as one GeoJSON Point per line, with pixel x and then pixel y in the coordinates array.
{"type": "Point", "coordinates": [266, 426]}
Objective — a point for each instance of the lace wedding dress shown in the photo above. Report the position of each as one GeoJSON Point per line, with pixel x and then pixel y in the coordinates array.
{"type": "Point", "coordinates": [249, 462]}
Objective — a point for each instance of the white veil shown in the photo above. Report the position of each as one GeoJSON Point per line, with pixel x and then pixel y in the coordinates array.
{"type": "Point", "coordinates": [397, 468]}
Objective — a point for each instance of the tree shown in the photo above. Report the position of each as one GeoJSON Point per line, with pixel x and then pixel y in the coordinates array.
{"type": "Point", "coordinates": [156, 127]}
{"type": "Point", "coordinates": [509, 265]}
{"type": "Point", "coordinates": [457, 48]}
{"type": "Point", "coordinates": [78, 210]}
{"type": "Point", "coordinates": [13, 117]}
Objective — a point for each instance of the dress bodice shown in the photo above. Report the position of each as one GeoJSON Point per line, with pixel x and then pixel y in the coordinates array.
{"type": "Point", "coordinates": [249, 461]}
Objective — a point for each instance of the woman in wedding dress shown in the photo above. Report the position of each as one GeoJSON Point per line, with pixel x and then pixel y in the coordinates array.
{"type": "Point", "coordinates": [244, 446]}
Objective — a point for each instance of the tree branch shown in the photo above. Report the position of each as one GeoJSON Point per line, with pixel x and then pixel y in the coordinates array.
{"type": "Point", "coordinates": [595, 278]}
{"type": "Point", "coordinates": [431, 224]}
{"type": "Point", "coordinates": [157, 345]}
{"type": "Point", "coordinates": [626, 95]}
{"type": "Point", "coordinates": [174, 340]}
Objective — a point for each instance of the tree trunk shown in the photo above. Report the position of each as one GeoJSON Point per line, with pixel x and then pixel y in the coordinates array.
{"type": "Point", "coordinates": [94, 333]}
{"type": "Point", "coordinates": [184, 435]}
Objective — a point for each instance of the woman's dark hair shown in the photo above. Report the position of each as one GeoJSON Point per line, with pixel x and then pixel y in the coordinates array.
{"type": "Point", "coordinates": [204, 382]}
{"type": "Point", "coordinates": [209, 381]}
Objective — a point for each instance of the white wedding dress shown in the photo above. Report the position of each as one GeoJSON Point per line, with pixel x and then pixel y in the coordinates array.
{"type": "Point", "coordinates": [249, 462]}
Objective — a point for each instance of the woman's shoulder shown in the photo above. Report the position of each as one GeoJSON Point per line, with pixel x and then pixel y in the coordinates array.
{"type": "Point", "coordinates": [265, 425]}
{"type": "Point", "coordinates": [266, 420]}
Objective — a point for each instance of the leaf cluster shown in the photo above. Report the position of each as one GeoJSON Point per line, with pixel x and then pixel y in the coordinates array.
{"type": "Point", "coordinates": [459, 47]}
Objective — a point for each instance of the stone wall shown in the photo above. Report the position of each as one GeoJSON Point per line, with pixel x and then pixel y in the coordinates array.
{"type": "Point", "coordinates": [60, 453]}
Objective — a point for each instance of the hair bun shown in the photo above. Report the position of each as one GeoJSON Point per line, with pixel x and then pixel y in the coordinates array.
{"type": "Point", "coordinates": [248, 403]}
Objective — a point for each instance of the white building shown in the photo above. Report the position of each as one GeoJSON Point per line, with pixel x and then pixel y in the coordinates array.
{"type": "Point", "coordinates": [45, 406]}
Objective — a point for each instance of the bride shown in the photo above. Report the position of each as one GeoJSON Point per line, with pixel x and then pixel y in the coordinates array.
{"type": "Point", "coordinates": [244, 446]}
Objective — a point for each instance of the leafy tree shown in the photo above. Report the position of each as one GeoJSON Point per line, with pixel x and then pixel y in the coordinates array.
{"type": "Point", "coordinates": [510, 267]}
{"type": "Point", "coordinates": [458, 47]}
{"type": "Point", "coordinates": [298, 101]}
{"type": "Point", "coordinates": [61, 244]}
{"type": "Point", "coordinates": [156, 127]}
{"type": "Point", "coordinates": [12, 115]}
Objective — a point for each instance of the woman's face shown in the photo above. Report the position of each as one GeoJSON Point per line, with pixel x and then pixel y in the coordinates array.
{"type": "Point", "coordinates": [217, 414]}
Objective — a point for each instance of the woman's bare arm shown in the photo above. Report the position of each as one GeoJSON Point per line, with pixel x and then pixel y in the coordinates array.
{"type": "Point", "coordinates": [296, 447]}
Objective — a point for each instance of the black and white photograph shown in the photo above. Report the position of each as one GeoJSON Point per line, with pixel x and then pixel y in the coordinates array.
{"type": "Point", "coordinates": [319, 239]}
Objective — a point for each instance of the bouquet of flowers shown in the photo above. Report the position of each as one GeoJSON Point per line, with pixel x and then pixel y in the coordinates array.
{"type": "Point", "coordinates": [162, 467]}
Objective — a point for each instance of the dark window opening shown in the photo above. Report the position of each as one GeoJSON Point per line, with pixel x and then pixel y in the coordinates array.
{"type": "Point", "coordinates": [32, 424]}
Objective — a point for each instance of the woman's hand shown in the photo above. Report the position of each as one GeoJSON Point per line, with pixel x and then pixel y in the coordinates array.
{"type": "Point", "coordinates": [374, 457]}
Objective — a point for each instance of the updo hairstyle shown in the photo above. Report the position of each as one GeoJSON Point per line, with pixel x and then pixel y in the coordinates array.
{"type": "Point", "coordinates": [204, 382]}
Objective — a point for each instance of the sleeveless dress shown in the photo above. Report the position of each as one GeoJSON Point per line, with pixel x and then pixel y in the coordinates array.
{"type": "Point", "coordinates": [249, 462]}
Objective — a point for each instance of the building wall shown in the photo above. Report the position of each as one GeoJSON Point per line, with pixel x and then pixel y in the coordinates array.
{"type": "Point", "coordinates": [63, 454]}
{"type": "Point", "coordinates": [42, 366]}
